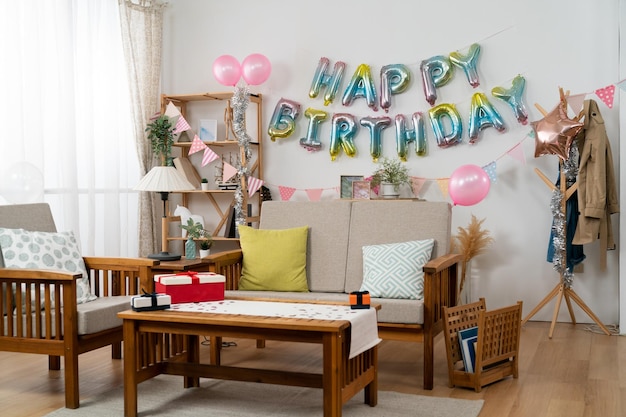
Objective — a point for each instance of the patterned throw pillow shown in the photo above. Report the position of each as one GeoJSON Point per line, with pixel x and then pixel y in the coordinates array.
{"type": "Point", "coordinates": [395, 270]}
{"type": "Point", "coordinates": [44, 250]}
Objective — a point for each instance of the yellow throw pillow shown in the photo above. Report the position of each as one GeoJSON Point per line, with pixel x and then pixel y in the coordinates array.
{"type": "Point", "coordinates": [273, 260]}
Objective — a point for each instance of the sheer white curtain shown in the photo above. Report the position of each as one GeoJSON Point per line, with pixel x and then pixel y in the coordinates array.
{"type": "Point", "coordinates": [65, 107]}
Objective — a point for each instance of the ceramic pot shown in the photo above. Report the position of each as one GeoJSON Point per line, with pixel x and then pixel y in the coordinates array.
{"type": "Point", "coordinates": [204, 253]}
{"type": "Point", "coordinates": [388, 190]}
{"type": "Point", "coordinates": [205, 186]}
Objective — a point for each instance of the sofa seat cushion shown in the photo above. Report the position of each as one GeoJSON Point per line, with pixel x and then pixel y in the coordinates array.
{"type": "Point", "coordinates": [101, 314]}
{"type": "Point", "coordinates": [273, 260]}
{"type": "Point", "coordinates": [391, 311]}
{"type": "Point", "coordinates": [92, 317]}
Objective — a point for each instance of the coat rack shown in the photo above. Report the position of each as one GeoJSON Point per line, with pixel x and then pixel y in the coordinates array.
{"type": "Point", "coordinates": [563, 289]}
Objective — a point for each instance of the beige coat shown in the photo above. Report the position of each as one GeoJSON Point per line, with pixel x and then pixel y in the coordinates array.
{"type": "Point", "coordinates": [597, 191]}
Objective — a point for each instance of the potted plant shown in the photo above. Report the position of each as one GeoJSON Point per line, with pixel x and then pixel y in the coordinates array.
{"type": "Point", "coordinates": [389, 176]}
{"type": "Point", "coordinates": [161, 136]}
{"type": "Point", "coordinates": [204, 184]}
{"type": "Point", "coordinates": [205, 246]}
{"type": "Point", "coordinates": [195, 231]}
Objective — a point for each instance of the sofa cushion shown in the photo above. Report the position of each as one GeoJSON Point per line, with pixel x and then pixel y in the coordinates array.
{"type": "Point", "coordinates": [46, 250]}
{"type": "Point", "coordinates": [375, 222]}
{"type": "Point", "coordinates": [395, 270]}
{"type": "Point", "coordinates": [328, 223]}
{"type": "Point", "coordinates": [273, 260]}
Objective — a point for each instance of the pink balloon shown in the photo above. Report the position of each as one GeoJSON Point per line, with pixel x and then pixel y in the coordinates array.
{"type": "Point", "coordinates": [468, 185]}
{"type": "Point", "coordinates": [256, 69]}
{"type": "Point", "coordinates": [227, 70]}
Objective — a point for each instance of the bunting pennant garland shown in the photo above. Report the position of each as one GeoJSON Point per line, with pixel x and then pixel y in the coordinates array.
{"type": "Point", "coordinates": [443, 186]}
{"type": "Point", "coordinates": [208, 157]}
{"type": "Point", "coordinates": [576, 102]}
{"type": "Point", "coordinates": [314, 194]}
{"type": "Point", "coordinates": [517, 153]}
{"type": "Point", "coordinates": [155, 116]}
{"type": "Point", "coordinates": [286, 192]}
{"type": "Point", "coordinates": [417, 184]}
{"type": "Point", "coordinates": [490, 169]}
{"type": "Point", "coordinates": [171, 110]}
{"type": "Point", "coordinates": [196, 145]}
{"type": "Point", "coordinates": [181, 125]}
{"type": "Point", "coordinates": [253, 185]}
{"type": "Point", "coordinates": [622, 85]}
{"type": "Point", "coordinates": [606, 94]}
{"type": "Point", "coordinates": [229, 172]}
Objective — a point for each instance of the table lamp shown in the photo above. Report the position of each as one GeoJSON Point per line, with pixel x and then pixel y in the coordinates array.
{"type": "Point", "coordinates": [164, 179]}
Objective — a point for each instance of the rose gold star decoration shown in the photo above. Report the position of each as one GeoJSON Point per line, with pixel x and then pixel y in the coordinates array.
{"type": "Point", "coordinates": [555, 132]}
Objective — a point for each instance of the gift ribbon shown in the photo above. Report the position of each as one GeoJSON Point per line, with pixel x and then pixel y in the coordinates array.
{"type": "Point", "coordinates": [153, 297]}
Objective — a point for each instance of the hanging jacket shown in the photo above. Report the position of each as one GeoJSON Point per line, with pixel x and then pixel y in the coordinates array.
{"type": "Point", "coordinates": [597, 191]}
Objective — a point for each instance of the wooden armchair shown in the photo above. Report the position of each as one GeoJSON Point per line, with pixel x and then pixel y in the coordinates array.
{"type": "Point", "coordinates": [33, 322]}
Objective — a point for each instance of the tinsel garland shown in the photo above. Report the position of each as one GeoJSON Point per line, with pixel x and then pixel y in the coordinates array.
{"type": "Point", "coordinates": [239, 102]}
{"type": "Point", "coordinates": [570, 171]}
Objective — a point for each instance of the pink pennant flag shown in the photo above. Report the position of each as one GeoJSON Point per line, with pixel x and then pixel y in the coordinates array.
{"type": "Point", "coordinates": [181, 125]}
{"type": "Point", "coordinates": [443, 186]}
{"type": "Point", "coordinates": [155, 116]}
{"type": "Point", "coordinates": [229, 171]}
{"type": "Point", "coordinates": [576, 102]}
{"type": "Point", "coordinates": [285, 192]}
{"type": "Point", "coordinates": [314, 194]}
{"type": "Point", "coordinates": [196, 145]}
{"type": "Point", "coordinates": [208, 157]}
{"type": "Point", "coordinates": [606, 95]}
{"type": "Point", "coordinates": [253, 185]}
{"type": "Point", "coordinates": [417, 184]}
{"type": "Point", "coordinates": [517, 153]}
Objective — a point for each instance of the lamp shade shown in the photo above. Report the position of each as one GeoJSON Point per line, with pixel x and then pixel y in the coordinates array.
{"type": "Point", "coordinates": [164, 179]}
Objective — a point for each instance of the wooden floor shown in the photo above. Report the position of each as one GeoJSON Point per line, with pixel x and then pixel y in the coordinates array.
{"type": "Point", "coordinates": [577, 373]}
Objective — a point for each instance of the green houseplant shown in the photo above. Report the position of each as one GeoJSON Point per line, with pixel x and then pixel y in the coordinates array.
{"type": "Point", "coordinates": [161, 136]}
{"type": "Point", "coordinates": [390, 175]}
{"type": "Point", "coordinates": [195, 231]}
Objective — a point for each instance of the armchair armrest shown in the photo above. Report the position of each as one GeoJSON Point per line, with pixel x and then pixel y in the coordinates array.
{"type": "Point", "coordinates": [440, 289]}
{"type": "Point", "coordinates": [227, 263]}
{"type": "Point", "coordinates": [120, 276]}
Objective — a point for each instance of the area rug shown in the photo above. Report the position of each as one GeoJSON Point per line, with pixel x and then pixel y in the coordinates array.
{"type": "Point", "coordinates": [165, 396]}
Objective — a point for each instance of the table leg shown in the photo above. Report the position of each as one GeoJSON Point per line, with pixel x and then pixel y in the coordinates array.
{"type": "Point", "coordinates": [371, 390]}
{"type": "Point", "coordinates": [333, 359]}
{"type": "Point", "coordinates": [130, 368]}
{"type": "Point", "coordinates": [193, 356]}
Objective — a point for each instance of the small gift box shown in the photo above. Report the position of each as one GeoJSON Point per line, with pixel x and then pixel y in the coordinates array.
{"type": "Point", "coordinates": [359, 300]}
{"type": "Point", "coordinates": [191, 287]}
{"type": "Point", "coordinates": [151, 302]}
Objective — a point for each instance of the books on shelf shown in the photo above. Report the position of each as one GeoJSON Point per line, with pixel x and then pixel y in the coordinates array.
{"type": "Point", "coordinates": [467, 341]}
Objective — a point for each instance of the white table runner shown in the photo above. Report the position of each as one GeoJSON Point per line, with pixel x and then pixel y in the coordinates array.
{"type": "Point", "coordinates": [364, 325]}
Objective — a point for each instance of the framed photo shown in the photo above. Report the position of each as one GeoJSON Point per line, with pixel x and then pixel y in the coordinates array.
{"type": "Point", "coordinates": [346, 184]}
{"type": "Point", "coordinates": [361, 190]}
{"type": "Point", "coordinates": [208, 130]}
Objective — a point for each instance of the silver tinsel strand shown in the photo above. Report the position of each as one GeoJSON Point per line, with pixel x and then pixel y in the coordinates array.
{"type": "Point", "coordinates": [239, 102]}
{"type": "Point", "coordinates": [570, 170]}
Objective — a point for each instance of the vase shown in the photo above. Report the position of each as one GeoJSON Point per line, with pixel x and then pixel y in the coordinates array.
{"type": "Point", "coordinates": [389, 190]}
{"type": "Point", "coordinates": [204, 253]}
{"type": "Point", "coordinates": [190, 249]}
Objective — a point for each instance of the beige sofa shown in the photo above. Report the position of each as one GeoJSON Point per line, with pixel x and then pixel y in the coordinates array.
{"type": "Point", "coordinates": [338, 230]}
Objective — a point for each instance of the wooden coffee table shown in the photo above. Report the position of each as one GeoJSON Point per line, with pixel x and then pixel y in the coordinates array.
{"type": "Point", "coordinates": [167, 342]}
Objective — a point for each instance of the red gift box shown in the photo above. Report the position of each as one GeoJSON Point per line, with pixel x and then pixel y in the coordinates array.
{"type": "Point", "coordinates": [191, 287]}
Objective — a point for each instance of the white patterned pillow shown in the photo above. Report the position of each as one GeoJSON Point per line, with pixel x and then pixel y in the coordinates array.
{"type": "Point", "coordinates": [45, 250]}
{"type": "Point", "coordinates": [395, 270]}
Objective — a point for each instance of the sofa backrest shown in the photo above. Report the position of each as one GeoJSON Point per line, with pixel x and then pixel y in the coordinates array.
{"type": "Point", "coordinates": [35, 217]}
{"type": "Point", "coordinates": [329, 223]}
{"type": "Point", "coordinates": [374, 222]}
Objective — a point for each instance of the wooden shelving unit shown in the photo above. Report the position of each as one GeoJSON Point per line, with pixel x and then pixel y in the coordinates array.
{"type": "Point", "coordinates": [220, 201]}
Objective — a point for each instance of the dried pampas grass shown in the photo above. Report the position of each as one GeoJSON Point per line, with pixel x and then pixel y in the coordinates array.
{"type": "Point", "coordinates": [470, 242]}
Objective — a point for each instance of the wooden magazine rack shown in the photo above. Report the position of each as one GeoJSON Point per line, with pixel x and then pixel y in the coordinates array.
{"type": "Point", "coordinates": [497, 346]}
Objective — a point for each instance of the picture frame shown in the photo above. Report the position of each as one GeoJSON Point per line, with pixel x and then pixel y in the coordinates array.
{"type": "Point", "coordinates": [345, 185]}
{"type": "Point", "coordinates": [208, 130]}
{"type": "Point", "coordinates": [361, 190]}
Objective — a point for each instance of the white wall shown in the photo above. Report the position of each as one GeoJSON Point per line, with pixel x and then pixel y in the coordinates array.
{"type": "Point", "coordinates": [557, 43]}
